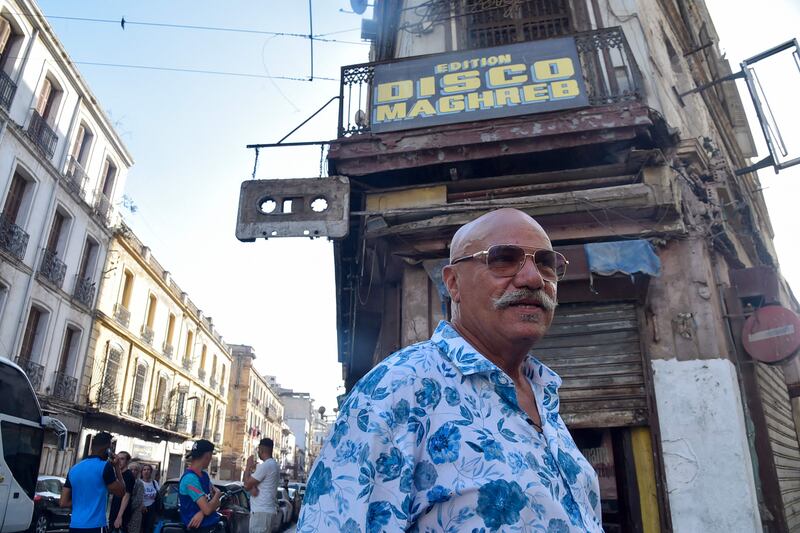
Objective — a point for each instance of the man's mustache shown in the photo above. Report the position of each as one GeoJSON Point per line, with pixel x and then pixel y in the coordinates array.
{"type": "Point", "coordinates": [537, 296]}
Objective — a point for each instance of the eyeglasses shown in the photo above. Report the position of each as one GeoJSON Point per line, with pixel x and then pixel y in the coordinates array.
{"type": "Point", "coordinates": [506, 260]}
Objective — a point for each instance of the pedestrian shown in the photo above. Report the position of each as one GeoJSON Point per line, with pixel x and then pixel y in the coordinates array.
{"type": "Point", "coordinates": [150, 505]}
{"type": "Point", "coordinates": [262, 481]}
{"type": "Point", "coordinates": [120, 511]}
{"type": "Point", "coordinates": [88, 485]}
{"type": "Point", "coordinates": [137, 500]}
{"type": "Point", "coordinates": [462, 431]}
{"type": "Point", "coordinates": [198, 498]}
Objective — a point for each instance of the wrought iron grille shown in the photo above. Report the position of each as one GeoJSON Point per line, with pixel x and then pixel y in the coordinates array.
{"type": "Point", "coordinates": [158, 417]}
{"type": "Point", "coordinates": [42, 135]}
{"type": "Point", "coordinates": [136, 409]}
{"type": "Point", "coordinates": [512, 21]}
{"type": "Point", "coordinates": [13, 239]}
{"type": "Point", "coordinates": [7, 90]}
{"type": "Point", "coordinates": [52, 268]}
{"type": "Point", "coordinates": [168, 350]}
{"type": "Point", "coordinates": [75, 177]}
{"type": "Point", "coordinates": [64, 386]}
{"type": "Point", "coordinates": [187, 364]}
{"type": "Point", "coordinates": [212, 382]}
{"type": "Point", "coordinates": [179, 423]}
{"type": "Point", "coordinates": [147, 334]}
{"type": "Point", "coordinates": [122, 315]}
{"type": "Point", "coordinates": [34, 371]}
{"type": "Point", "coordinates": [102, 207]}
{"type": "Point", "coordinates": [610, 74]}
{"type": "Point", "coordinates": [201, 373]}
{"type": "Point", "coordinates": [84, 291]}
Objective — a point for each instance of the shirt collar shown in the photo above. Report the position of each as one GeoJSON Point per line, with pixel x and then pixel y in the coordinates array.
{"type": "Point", "coordinates": [470, 361]}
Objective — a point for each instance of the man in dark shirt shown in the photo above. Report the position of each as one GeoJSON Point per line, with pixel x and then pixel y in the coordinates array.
{"type": "Point", "coordinates": [120, 512]}
{"type": "Point", "coordinates": [87, 487]}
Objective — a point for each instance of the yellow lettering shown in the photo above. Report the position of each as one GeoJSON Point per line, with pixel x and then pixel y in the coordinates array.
{"type": "Point", "coordinates": [535, 93]}
{"type": "Point", "coordinates": [564, 89]}
{"type": "Point", "coordinates": [394, 91]}
{"type": "Point", "coordinates": [461, 82]}
{"type": "Point", "coordinates": [481, 100]}
{"type": "Point", "coordinates": [451, 104]}
{"type": "Point", "coordinates": [386, 112]}
{"type": "Point", "coordinates": [504, 59]}
{"type": "Point", "coordinates": [507, 96]}
{"type": "Point", "coordinates": [426, 86]}
{"type": "Point", "coordinates": [553, 69]}
{"type": "Point", "coordinates": [440, 68]}
{"type": "Point", "coordinates": [422, 107]}
{"type": "Point", "coordinates": [499, 76]}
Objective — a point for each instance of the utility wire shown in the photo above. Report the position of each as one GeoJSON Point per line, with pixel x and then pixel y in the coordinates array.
{"type": "Point", "coordinates": [201, 71]}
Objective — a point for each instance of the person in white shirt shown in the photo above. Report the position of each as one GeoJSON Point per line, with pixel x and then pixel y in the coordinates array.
{"type": "Point", "coordinates": [262, 482]}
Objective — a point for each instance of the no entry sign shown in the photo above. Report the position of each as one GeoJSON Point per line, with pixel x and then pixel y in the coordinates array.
{"type": "Point", "coordinates": [772, 334]}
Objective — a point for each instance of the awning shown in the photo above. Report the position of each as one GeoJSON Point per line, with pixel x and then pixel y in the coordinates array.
{"type": "Point", "coordinates": [623, 257]}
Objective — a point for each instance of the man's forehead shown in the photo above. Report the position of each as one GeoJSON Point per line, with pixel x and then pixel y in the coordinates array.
{"type": "Point", "coordinates": [504, 226]}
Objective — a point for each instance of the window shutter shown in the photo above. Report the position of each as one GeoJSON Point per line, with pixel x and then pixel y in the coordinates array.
{"type": "Point", "coordinates": [138, 387]}
{"type": "Point", "coordinates": [76, 148]}
{"type": "Point", "coordinates": [44, 96]}
{"type": "Point", "coordinates": [5, 35]}
{"type": "Point", "coordinates": [14, 199]}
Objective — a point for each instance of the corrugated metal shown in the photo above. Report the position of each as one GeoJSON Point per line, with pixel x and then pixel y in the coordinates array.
{"type": "Point", "coordinates": [595, 349]}
{"type": "Point", "coordinates": [783, 439]}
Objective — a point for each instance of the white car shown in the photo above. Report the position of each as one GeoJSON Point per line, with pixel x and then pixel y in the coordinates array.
{"type": "Point", "coordinates": [285, 509]}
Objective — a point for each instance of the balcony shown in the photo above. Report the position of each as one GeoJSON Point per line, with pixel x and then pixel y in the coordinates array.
{"type": "Point", "coordinates": [52, 269]}
{"type": "Point", "coordinates": [122, 315]}
{"type": "Point", "coordinates": [84, 291]}
{"type": "Point", "coordinates": [168, 350]}
{"type": "Point", "coordinates": [136, 409]}
{"type": "Point", "coordinates": [186, 364]}
{"type": "Point", "coordinates": [7, 90]}
{"type": "Point", "coordinates": [179, 423]}
{"type": "Point", "coordinates": [102, 206]}
{"type": "Point", "coordinates": [222, 389]}
{"type": "Point", "coordinates": [147, 335]}
{"type": "Point", "coordinates": [64, 386]}
{"type": "Point", "coordinates": [42, 135]}
{"type": "Point", "coordinates": [75, 177]}
{"type": "Point", "coordinates": [158, 417]}
{"type": "Point", "coordinates": [201, 373]}
{"type": "Point", "coordinates": [34, 371]}
{"type": "Point", "coordinates": [218, 438]}
{"type": "Point", "coordinates": [212, 382]}
{"type": "Point", "coordinates": [595, 78]}
{"type": "Point", "coordinates": [12, 238]}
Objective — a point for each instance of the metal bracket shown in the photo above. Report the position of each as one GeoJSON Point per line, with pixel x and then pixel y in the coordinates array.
{"type": "Point", "coordinates": [306, 207]}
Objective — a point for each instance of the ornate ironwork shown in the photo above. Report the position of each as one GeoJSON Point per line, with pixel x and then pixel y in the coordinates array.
{"type": "Point", "coordinates": [201, 373]}
{"type": "Point", "coordinates": [179, 423]}
{"type": "Point", "coordinates": [168, 350]}
{"type": "Point", "coordinates": [122, 315]}
{"type": "Point", "coordinates": [102, 207]}
{"type": "Point", "coordinates": [52, 268]}
{"type": "Point", "coordinates": [158, 417]}
{"type": "Point", "coordinates": [13, 239]}
{"type": "Point", "coordinates": [187, 364]}
{"type": "Point", "coordinates": [147, 334]}
{"type": "Point", "coordinates": [75, 177]}
{"type": "Point", "coordinates": [42, 135]}
{"type": "Point", "coordinates": [64, 386]}
{"type": "Point", "coordinates": [609, 72]}
{"type": "Point", "coordinates": [7, 90]}
{"type": "Point", "coordinates": [212, 382]}
{"type": "Point", "coordinates": [136, 409]}
{"type": "Point", "coordinates": [34, 371]}
{"type": "Point", "coordinates": [84, 291]}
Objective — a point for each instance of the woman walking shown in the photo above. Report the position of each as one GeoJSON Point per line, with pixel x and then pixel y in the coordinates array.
{"type": "Point", "coordinates": [150, 504]}
{"type": "Point", "coordinates": [137, 498]}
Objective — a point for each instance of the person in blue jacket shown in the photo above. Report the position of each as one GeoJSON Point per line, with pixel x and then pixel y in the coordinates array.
{"type": "Point", "coordinates": [199, 499]}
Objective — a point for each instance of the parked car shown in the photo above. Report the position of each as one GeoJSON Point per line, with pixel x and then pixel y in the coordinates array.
{"type": "Point", "coordinates": [296, 500]}
{"type": "Point", "coordinates": [47, 515]}
{"type": "Point", "coordinates": [235, 507]}
{"type": "Point", "coordinates": [285, 507]}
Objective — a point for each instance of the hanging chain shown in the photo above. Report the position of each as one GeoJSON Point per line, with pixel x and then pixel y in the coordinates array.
{"type": "Point", "coordinates": [255, 164]}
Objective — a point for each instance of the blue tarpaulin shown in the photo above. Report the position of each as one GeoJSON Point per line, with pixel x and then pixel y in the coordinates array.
{"type": "Point", "coordinates": [624, 257]}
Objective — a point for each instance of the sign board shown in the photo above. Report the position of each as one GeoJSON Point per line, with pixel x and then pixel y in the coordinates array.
{"type": "Point", "coordinates": [772, 334]}
{"type": "Point", "coordinates": [503, 81]}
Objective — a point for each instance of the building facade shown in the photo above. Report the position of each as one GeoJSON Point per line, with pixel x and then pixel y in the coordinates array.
{"type": "Point", "coordinates": [62, 172]}
{"type": "Point", "coordinates": [254, 412]}
{"type": "Point", "coordinates": [157, 371]}
{"type": "Point", "coordinates": [298, 409]}
{"type": "Point", "coordinates": [577, 112]}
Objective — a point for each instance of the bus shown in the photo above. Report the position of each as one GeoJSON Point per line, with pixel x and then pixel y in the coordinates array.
{"type": "Point", "coordinates": [22, 428]}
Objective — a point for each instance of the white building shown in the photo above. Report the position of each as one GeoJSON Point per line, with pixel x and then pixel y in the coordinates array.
{"type": "Point", "coordinates": [62, 171]}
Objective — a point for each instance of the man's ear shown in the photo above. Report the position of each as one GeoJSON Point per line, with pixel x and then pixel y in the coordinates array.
{"type": "Point", "coordinates": [450, 278]}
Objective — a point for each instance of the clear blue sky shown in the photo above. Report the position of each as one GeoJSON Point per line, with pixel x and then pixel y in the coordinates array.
{"type": "Point", "coordinates": [187, 133]}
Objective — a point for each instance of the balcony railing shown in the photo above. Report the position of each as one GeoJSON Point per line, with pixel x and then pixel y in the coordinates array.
{"type": "Point", "coordinates": [12, 238]}
{"type": "Point", "coordinates": [35, 372]}
{"type": "Point", "coordinates": [84, 291]}
{"type": "Point", "coordinates": [7, 90]}
{"type": "Point", "coordinates": [186, 364]}
{"type": "Point", "coordinates": [102, 206]}
{"type": "Point", "coordinates": [201, 373]}
{"type": "Point", "coordinates": [52, 268]}
{"type": "Point", "coordinates": [75, 177]}
{"type": "Point", "coordinates": [207, 433]}
{"type": "Point", "coordinates": [168, 350]}
{"type": "Point", "coordinates": [222, 389]}
{"type": "Point", "coordinates": [607, 63]}
{"type": "Point", "coordinates": [217, 438]}
{"type": "Point", "coordinates": [136, 409]}
{"type": "Point", "coordinates": [179, 423]}
{"type": "Point", "coordinates": [64, 386]}
{"type": "Point", "coordinates": [122, 315]}
{"type": "Point", "coordinates": [147, 335]}
{"type": "Point", "coordinates": [212, 382]}
{"type": "Point", "coordinates": [158, 417]}
{"type": "Point", "coordinates": [42, 135]}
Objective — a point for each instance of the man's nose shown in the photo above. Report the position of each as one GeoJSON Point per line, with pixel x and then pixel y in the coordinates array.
{"type": "Point", "coordinates": [529, 276]}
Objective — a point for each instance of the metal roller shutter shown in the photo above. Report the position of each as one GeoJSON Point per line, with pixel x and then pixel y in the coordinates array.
{"type": "Point", "coordinates": [595, 349]}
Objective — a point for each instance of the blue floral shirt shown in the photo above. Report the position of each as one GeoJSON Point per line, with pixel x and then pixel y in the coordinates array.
{"type": "Point", "coordinates": [432, 439]}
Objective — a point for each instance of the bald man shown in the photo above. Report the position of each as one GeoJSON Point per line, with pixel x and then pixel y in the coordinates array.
{"type": "Point", "coordinates": [462, 432]}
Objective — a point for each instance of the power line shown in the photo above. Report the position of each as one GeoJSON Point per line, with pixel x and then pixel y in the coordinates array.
{"type": "Point", "coordinates": [200, 71]}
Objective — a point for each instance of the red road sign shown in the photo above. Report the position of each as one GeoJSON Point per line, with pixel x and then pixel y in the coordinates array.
{"type": "Point", "coordinates": [772, 334]}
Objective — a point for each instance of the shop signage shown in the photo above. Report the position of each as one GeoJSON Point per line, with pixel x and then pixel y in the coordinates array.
{"type": "Point", "coordinates": [772, 334]}
{"type": "Point", "coordinates": [516, 79]}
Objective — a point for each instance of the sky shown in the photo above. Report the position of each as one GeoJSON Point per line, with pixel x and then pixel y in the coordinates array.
{"type": "Point", "coordinates": [187, 133]}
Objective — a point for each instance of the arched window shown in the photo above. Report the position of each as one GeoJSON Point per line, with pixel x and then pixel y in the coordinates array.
{"type": "Point", "coordinates": [79, 156]}
{"type": "Point", "coordinates": [137, 404]}
{"type": "Point", "coordinates": [150, 318]}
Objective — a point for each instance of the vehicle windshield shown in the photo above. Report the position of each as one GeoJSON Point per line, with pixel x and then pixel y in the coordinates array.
{"type": "Point", "coordinates": [170, 496]}
{"type": "Point", "coordinates": [48, 485]}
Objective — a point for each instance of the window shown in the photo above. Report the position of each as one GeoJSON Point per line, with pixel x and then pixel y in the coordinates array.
{"type": "Point", "coordinates": [69, 348]}
{"type": "Point", "coordinates": [203, 358]}
{"type": "Point", "coordinates": [107, 395]}
{"type": "Point", "coordinates": [88, 259]}
{"type": "Point", "coordinates": [10, 41]}
{"type": "Point", "coordinates": [151, 311]}
{"type": "Point", "coordinates": [109, 176]}
{"type": "Point", "coordinates": [214, 366]}
{"type": "Point", "coordinates": [187, 354]}
{"type": "Point", "coordinates": [79, 154]}
{"type": "Point", "coordinates": [138, 390]}
{"type": "Point", "coordinates": [170, 330]}
{"type": "Point", "coordinates": [56, 240]}
{"type": "Point", "coordinates": [33, 338]}
{"type": "Point", "coordinates": [221, 378]}
{"type": "Point", "coordinates": [526, 20]}
{"type": "Point", "coordinates": [48, 101]}
{"type": "Point", "coordinates": [17, 199]}
{"type": "Point", "coordinates": [161, 396]}
{"type": "Point", "coordinates": [127, 289]}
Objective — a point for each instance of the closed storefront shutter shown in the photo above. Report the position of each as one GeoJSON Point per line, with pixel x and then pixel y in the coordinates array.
{"type": "Point", "coordinates": [595, 349]}
{"type": "Point", "coordinates": [782, 439]}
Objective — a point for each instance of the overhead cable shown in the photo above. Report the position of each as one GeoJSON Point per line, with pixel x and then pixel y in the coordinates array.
{"type": "Point", "coordinates": [201, 71]}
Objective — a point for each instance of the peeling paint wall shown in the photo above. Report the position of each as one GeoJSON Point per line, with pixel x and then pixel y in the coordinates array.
{"type": "Point", "coordinates": [709, 472]}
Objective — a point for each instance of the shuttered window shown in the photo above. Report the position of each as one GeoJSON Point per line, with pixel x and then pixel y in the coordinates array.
{"type": "Point", "coordinates": [16, 194]}
{"type": "Point", "coordinates": [138, 389]}
{"type": "Point", "coordinates": [526, 20]}
{"type": "Point", "coordinates": [596, 350]}
{"type": "Point", "coordinates": [5, 40]}
{"type": "Point", "coordinates": [107, 395]}
{"type": "Point", "coordinates": [30, 336]}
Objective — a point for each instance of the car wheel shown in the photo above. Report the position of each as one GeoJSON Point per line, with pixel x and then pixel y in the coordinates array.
{"type": "Point", "coordinates": [41, 524]}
